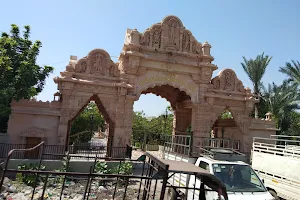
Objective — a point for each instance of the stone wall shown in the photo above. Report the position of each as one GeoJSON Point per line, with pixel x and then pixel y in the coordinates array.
{"type": "Point", "coordinates": [30, 118]}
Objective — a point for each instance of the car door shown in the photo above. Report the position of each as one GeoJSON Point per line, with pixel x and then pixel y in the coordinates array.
{"type": "Point", "coordinates": [196, 182]}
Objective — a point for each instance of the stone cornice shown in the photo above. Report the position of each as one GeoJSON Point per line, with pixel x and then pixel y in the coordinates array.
{"type": "Point", "coordinates": [34, 111]}
{"type": "Point", "coordinates": [94, 83]}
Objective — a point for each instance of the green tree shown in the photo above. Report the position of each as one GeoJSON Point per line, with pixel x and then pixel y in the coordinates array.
{"type": "Point", "coordinates": [20, 76]}
{"type": "Point", "coordinates": [226, 115]}
{"type": "Point", "coordinates": [294, 128]}
{"type": "Point", "coordinates": [282, 101]}
{"type": "Point", "coordinates": [292, 70]}
{"type": "Point", "coordinates": [255, 69]}
{"type": "Point", "coordinates": [140, 126]}
{"type": "Point", "coordinates": [89, 119]}
{"type": "Point", "coordinates": [145, 130]}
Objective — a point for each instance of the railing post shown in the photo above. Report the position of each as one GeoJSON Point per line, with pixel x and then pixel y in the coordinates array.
{"type": "Point", "coordinates": [191, 144]}
{"type": "Point", "coordinates": [164, 182]}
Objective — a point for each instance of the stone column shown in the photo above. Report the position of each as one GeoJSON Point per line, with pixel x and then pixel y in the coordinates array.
{"type": "Point", "coordinates": [202, 121]}
{"type": "Point", "coordinates": [122, 125]}
{"type": "Point", "coordinates": [182, 119]}
{"type": "Point", "coordinates": [63, 128]}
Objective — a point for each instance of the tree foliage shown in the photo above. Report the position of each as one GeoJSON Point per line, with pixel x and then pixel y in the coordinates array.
{"type": "Point", "coordinates": [20, 75]}
{"type": "Point", "coordinates": [255, 69]}
{"type": "Point", "coordinates": [282, 101]}
{"type": "Point", "coordinates": [226, 115]}
{"type": "Point", "coordinates": [86, 123]}
{"type": "Point", "coordinates": [293, 71]}
{"type": "Point", "coordinates": [152, 130]}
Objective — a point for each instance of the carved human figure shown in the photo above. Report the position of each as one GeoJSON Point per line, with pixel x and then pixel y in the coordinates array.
{"type": "Point", "coordinates": [156, 36]}
{"type": "Point", "coordinates": [186, 42]}
{"type": "Point", "coordinates": [111, 70]}
{"type": "Point", "coordinates": [172, 33]}
{"type": "Point", "coordinates": [98, 64]}
{"type": "Point", "coordinates": [83, 67]}
{"type": "Point", "coordinates": [145, 39]}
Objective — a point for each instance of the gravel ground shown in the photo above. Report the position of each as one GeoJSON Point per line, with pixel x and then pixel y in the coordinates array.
{"type": "Point", "coordinates": [137, 153]}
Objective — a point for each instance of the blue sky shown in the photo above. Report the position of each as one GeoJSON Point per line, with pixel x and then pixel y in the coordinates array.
{"type": "Point", "coordinates": [234, 28]}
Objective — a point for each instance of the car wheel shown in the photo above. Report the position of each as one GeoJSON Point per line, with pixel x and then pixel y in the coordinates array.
{"type": "Point", "coordinates": [273, 193]}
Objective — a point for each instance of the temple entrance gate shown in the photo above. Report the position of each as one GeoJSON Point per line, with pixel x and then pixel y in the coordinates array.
{"type": "Point", "coordinates": [166, 60]}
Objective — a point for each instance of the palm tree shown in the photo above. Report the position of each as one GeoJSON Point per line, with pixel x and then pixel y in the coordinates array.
{"type": "Point", "coordinates": [255, 70]}
{"type": "Point", "coordinates": [292, 70]}
{"type": "Point", "coordinates": [282, 101]}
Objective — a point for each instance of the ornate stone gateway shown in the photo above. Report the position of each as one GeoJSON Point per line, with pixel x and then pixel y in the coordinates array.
{"type": "Point", "coordinates": [166, 60]}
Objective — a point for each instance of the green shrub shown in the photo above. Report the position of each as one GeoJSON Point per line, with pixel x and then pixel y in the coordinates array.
{"type": "Point", "coordinates": [30, 178]}
{"type": "Point", "coordinates": [124, 168]}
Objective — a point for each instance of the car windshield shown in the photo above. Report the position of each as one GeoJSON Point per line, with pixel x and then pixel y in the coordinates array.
{"type": "Point", "coordinates": [238, 178]}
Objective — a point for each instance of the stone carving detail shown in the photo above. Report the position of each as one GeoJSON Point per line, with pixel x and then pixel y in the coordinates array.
{"type": "Point", "coordinates": [186, 41]}
{"type": "Point", "coordinates": [98, 62]}
{"type": "Point", "coordinates": [173, 31]}
{"type": "Point", "coordinates": [156, 37]}
{"type": "Point", "coordinates": [81, 66]}
{"type": "Point", "coordinates": [227, 80]}
{"type": "Point", "coordinates": [145, 38]}
{"type": "Point", "coordinates": [170, 34]}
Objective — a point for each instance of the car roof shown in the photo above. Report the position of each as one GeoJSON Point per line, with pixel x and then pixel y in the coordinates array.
{"type": "Point", "coordinates": [212, 161]}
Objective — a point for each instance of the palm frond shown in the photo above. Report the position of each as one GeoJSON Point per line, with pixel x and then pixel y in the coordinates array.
{"type": "Point", "coordinates": [255, 69]}
{"type": "Point", "coordinates": [292, 70]}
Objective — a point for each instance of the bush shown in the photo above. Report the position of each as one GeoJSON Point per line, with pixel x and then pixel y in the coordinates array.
{"type": "Point", "coordinates": [29, 179]}
{"type": "Point", "coordinates": [124, 168]}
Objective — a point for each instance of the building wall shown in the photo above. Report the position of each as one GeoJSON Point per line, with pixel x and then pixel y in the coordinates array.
{"type": "Point", "coordinates": [33, 119]}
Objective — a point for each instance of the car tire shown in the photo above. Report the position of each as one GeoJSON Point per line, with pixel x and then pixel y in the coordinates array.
{"type": "Point", "coordinates": [274, 194]}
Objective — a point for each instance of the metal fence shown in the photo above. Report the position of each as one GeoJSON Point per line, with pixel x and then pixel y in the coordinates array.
{"type": "Point", "coordinates": [150, 183]}
{"type": "Point", "coordinates": [189, 144]}
{"type": "Point", "coordinates": [53, 152]}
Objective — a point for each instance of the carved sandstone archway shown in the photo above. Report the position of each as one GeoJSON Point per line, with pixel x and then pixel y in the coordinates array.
{"type": "Point", "coordinates": [180, 103]}
{"type": "Point", "coordinates": [82, 103]}
{"type": "Point", "coordinates": [165, 59]}
{"type": "Point", "coordinates": [160, 59]}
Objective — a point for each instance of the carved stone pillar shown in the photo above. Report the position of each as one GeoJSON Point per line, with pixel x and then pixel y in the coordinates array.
{"type": "Point", "coordinates": [63, 128]}
{"type": "Point", "coordinates": [202, 92]}
{"type": "Point", "coordinates": [242, 120]}
{"type": "Point", "coordinates": [183, 118]}
{"type": "Point", "coordinates": [121, 136]}
{"type": "Point", "coordinates": [201, 123]}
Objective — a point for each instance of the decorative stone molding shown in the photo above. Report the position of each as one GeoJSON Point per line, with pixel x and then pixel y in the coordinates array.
{"type": "Point", "coordinates": [227, 80]}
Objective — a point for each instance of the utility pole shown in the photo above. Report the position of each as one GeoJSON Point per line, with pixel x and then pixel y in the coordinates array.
{"type": "Point", "coordinates": [165, 125]}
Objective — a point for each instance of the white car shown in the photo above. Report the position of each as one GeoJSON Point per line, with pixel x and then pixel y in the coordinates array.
{"type": "Point", "coordinates": [240, 179]}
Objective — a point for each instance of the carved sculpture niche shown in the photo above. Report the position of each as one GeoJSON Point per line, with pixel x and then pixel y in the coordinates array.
{"type": "Point", "coordinates": [170, 34]}
{"type": "Point", "coordinates": [97, 62]}
{"type": "Point", "coordinates": [227, 80]}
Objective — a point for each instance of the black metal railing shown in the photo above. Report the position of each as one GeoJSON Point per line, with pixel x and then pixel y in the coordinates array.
{"type": "Point", "coordinates": [54, 152]}
{"type": "Point", "coordinates": [150, 183]}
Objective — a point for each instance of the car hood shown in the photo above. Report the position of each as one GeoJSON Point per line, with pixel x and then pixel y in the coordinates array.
{"type": "Point", "coordinates": [250, 196]}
